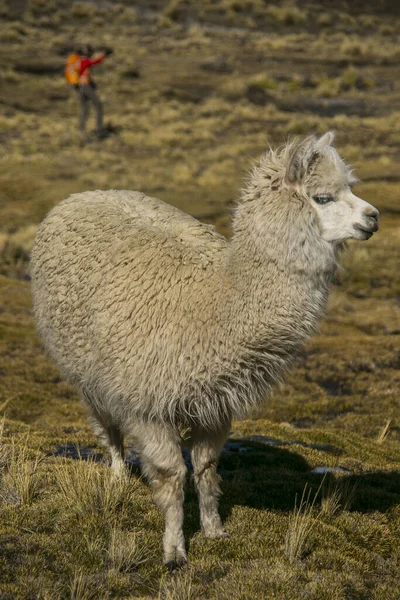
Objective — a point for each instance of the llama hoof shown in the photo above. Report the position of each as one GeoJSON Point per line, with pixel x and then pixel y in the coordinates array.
{"type": "Point", "coordinates": [217, 535]}
{"type": "Point", "coordinates": [178, 563]}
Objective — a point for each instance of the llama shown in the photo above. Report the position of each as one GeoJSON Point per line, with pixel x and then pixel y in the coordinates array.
{"type": "Point", "coordinates": [161, 322]}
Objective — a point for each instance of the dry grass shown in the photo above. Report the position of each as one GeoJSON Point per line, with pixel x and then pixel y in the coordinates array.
{"type": "Point", "coordinates": [337, 495]}
{"type": "Point", "coordinates": [179, 587]}
{"type": "Point", "coordinates": [88, 489]}
{"type": "Point", "coordinates": [15, 251]}
{"type": "Point", "coordinates": [5, 450]}
{"type": "Point", "coordinates": [127, 551]}
{"type": "Point", "coordinates": [384, 432]}
{"type": "Point", "coordinates": [288, 14]}
{"type": "Point", "coordinates": [83, 587]}
{"type": "Point", "coordinates": [21, 483]}
{"type": "Point", "coordinates": [301, 523]}
{"type": "Point", "coordinates": [331, 500]}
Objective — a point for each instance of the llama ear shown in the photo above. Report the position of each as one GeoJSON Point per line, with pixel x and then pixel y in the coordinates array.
{"type": "Point", "coordinates": [302, 157]}
{"type": "Point", "coordinates": [326, 140]}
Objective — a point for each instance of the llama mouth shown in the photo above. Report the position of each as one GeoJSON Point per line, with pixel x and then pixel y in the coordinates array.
{"type": "Point", "coordinates": [368, 233]}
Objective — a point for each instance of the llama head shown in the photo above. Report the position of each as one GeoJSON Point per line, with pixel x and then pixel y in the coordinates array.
{"type": "Point", "coordinates": [321, 178]}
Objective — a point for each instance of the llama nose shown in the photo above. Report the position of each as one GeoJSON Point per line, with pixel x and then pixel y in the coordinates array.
{"type": "Point", "coordinates": [372, 215]}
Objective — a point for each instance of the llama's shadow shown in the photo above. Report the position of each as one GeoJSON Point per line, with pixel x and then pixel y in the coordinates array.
{"type": "Point", "coordinates": [264, 473]}
{"type": "Point", "coordinates": [267, 476]}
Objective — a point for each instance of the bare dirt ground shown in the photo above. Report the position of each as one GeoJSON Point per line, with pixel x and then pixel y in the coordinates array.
{"type": "Point", "coordinates": [193, 93]}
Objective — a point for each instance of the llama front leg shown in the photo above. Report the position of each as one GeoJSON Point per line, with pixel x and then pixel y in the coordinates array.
{"type": "Point", "coordinates": [162, 463]}
{"type": "Point", "coordinates": [206, 448]}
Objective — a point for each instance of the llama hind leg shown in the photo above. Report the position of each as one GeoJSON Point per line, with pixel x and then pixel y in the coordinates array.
{"type": "Point", "coordinates": [162, 463]}
{"type": "Point", "coordinates": [205, 451]}
{"type": "Point", "coordinates": [110, 436]}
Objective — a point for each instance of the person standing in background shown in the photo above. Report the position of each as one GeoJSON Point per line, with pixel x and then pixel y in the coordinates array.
{"type": "Point", "coordinates": [87, 89]}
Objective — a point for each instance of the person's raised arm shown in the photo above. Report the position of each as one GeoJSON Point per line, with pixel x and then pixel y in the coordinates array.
{"type": "Point", "coordinates": [95, 61]}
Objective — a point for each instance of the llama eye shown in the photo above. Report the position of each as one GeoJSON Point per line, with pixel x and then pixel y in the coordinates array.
{"type": "Point", "coordinates": [323, 198]}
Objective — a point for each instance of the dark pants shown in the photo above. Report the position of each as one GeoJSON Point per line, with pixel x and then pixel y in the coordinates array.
{"type": "Point", "coordinates": [87, 94]}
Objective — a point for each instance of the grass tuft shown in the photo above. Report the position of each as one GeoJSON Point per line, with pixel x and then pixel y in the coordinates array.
{"type": "Point", "coordinates": [301, 523]}
{"type": "Point", "coordinates": [383, 434]}
{"type": "Point", "coordinates": [179, 587]}
{"type": "Point", "coordinates": [331, 500]}
{"type": "Point", "coordinates": [126, 551]}
{"type": "Point", "coordinates": [89, 489]}
{"type": "Point", "coordinates": [82, 587]}
{"type": "Point", "coordinates": [5, 450]}
{"type": "Point", "coordinates": [337, 496]}
{"type": "Point", "coordinates": [21, 483]}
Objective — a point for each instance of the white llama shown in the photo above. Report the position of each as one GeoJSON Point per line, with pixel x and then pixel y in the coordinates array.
{"type": "Point", "coordinates": [160, 322]}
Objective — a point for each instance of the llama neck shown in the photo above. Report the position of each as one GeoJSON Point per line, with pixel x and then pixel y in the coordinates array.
{"type": "Point", "coordinates": [280, 272]}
